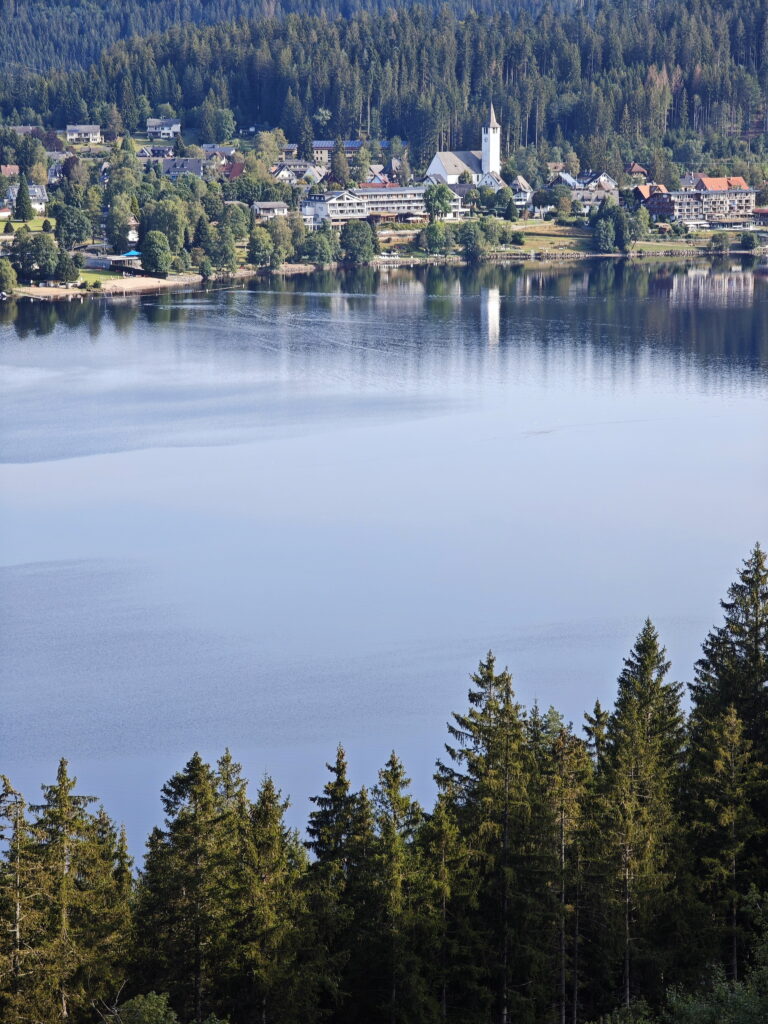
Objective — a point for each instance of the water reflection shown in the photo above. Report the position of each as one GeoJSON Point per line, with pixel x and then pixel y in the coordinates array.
{"type": "Point", "coordinates": [713, 310]}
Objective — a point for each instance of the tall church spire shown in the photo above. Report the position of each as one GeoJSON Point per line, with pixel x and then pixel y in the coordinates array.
{"type": "Point", "coordinates": [492, 145]}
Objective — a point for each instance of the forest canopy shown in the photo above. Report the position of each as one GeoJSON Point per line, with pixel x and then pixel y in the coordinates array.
{"type": "Point", "coordinates": [610, 79]}
{"type": "Point", "coordinates": [560, 875]}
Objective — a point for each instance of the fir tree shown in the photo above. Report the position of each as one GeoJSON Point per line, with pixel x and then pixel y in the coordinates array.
{"type": "Point", "coordinates": [22, 209]}
{"type": "Point", "coordinates": [734, 666]}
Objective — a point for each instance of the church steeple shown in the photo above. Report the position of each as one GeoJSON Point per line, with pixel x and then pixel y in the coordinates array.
{"type": "Point", "coordinates": [492, 145]}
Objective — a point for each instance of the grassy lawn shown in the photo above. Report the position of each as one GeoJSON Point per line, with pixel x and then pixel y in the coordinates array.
{"type": "Point", "coordinates": [36, 224]}
{"type": "Point", "coordinates": [91, 276]}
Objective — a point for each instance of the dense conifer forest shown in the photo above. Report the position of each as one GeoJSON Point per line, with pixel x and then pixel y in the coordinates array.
{"type": "Point", "coordinates": [619, 875]}
{"type": "Point", "coordinates": [607, 80]}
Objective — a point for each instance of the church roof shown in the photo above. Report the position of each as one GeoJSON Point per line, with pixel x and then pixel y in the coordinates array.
{"type": "Point", "coordinates": [493, 123]}
{"type": "Point", "coordinates": [457, 161]}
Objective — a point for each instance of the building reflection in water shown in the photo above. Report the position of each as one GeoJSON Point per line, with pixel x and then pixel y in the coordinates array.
{"type": "Point", "coordinates": [702, 286]}
{"type": "Point", "coordinates": [490, 314]}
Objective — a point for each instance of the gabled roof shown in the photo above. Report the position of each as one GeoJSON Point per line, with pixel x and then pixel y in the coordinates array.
{"type": "Point", "coordinates": [705, 184]}
{"type": "Point", "coordinates": [90, 128]}
{"type": "Point", "coordinates": [519, 184]}
{"type": "Point", "coordinates": [646, 191]}
{"type": "Point", "coordinates": [564, 178]}
{"type": "Point", "coordinates": [459, 161]}
{"type": "Point", "coordinates": [635, 168]}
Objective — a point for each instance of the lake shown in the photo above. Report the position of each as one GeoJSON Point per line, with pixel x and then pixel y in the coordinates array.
{"type": "Point", "coordinates": [296, 512]}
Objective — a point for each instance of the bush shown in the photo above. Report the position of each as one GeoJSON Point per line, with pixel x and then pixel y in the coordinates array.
{"type": "Point", "coordinates": [749, 240]}
{"type": "Point", "coordinates": [720, 242]}
{"type": "Point", "coordinates": [518, 238]}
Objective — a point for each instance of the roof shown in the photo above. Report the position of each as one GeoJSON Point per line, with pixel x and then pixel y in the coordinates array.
{"type": "Point", "coordinates": [163, 122]}
{"type": "Point", "coordinates": [635, 168]}
{"type": "Point", "coordinates": [705, 184]}
{"type": "Point", "coordinates": [234, 170]}
{"type": "Point", "coordinates": [8, 170]}
{"type": "Point", "coordinates": [182, 165]}
{"type": "Point", "coordinates": [566, 179]}
{"type": "Point", "coordinates": [269, 206]}
{"type": "Point", "coordinates": [520, 184]}
{"type": "Point", "coordinates": [493, 123]}
{"type": "Point", "coordinates": [459, 161]}
{"type": "Point", "coordinates": [646, 191]}
{"type": "Point", "coordinates": [90, 128]}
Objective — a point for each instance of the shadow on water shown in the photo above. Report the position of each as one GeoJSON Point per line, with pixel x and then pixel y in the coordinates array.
{"type": "Point", "coordinates": [714, 310]}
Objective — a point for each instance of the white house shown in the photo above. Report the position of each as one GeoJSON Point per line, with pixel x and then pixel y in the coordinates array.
{"type": "Point", "coordinates": [38, 197]}
{"type": "Point", "coordinates": [163, 127]}
{"type": "Point", "coordinates": [482, 165]}
{"type": "Point", "coordinates": [89, 134]}
{"type": "Point", "coordinates": [268, 211]}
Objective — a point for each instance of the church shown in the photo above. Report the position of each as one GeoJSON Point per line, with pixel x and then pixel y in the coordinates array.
{"type": "Point", "coordinates": [483, 165]}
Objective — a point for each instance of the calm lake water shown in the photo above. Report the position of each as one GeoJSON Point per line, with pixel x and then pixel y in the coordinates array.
{"type": "Point", "coordinates": [280, 516]}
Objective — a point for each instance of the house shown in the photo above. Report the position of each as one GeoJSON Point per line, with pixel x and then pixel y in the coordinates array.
{"type": "Point", "coordinates": [718, 202]}
{"type": "Point", "coordinates": [211, 149]}
{"type": "Point", "coordinates": [55, 173]}
{"type": "Point", "coordinates": [761, 216]}
{"type": "Point", "coordinates": [292, 172]}
{"type": "Point", "coordinates": [163, 127]}
{"type": "Point", "coordinates": [482, 165]}
{"type": "Point", "coordinates": [38, 197]}
{"type": "Point", "coordinates": [84, 134]}
{"type": "Point", "coordinates": [643, 192]}
{"type": "Point", "coordinates": [268, 211]}
{"type": "Point", "coordinates": [27, 129]}
{"type": "Point", "coordinates": [600, 181]}
{"type": "Point", "coordinates": [522, 191]}
{"type": "Point", "coordinates": [174, 167]}
{"type": "Point", "coordinates": [5, 212]}
{"type": "Point", "coordinates": [379, 202]}
{"type": "Point", "coordinates": [322, 149]}
{"type": "Point", "coordinates": [155, 152]}
{"type": "Point", "coordinates": [234, 170]}
{"type": "Point", "coordinates": [635, 171]}
{"type": "Point", "coordinates": [9, 170]}
{"type": "Point", "coordinates": [564, 178]}
{"type": "Point", "coordinates": [590, 189]}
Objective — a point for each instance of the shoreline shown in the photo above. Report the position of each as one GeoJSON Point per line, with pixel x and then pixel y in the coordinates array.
{"type": "Point", "coordinates": [140, 285]}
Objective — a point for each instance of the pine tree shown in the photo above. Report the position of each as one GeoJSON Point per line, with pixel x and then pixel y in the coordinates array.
{"type": "Point", "coordinates": [85, 919]}
{"type": "Point", "coordinates": [23, 207]}
{"type": "Point", "coordinates": [176, 907]}
{"type": "Point", "coordinates": [728, 839]}
{"type": "Point", "coordinates": [339, 165]}
{"type": "Point", "coordinates": [402, 991]}
{"type": "Point", "coordinates": [490, 786]}
{"type": "Point", "coordinates": [21, 909]}
{"type": "Point", "coordinates": [278, 988]}
{"type": "Point", "coordinates": [638, 815]}
{"type": "Point", "coordinates": [734, 667]}
{"type": "Point", "coordinates": [330, 829]}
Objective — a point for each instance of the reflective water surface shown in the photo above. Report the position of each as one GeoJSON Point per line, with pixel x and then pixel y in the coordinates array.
{"type": "Point", "coordinates": [278, 516]}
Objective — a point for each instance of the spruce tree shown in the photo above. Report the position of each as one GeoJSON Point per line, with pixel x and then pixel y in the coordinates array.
{"type": "Point", "coordinates": [733, 669]}
{"type": "Point", "coordinates": [23, 207]}
{"type": "Point", "coordinates": [639, 815]}
{"type": "Point", "coordinates": [330, 829]}
{"type": "Point", "coordinates": [728, 838]}
{"type": "Point", "coordinates": [398, 974]}
{"type": "Point", "coordinates": [176, 906]}
{"type": "Point", "coordinates": [489, 779]}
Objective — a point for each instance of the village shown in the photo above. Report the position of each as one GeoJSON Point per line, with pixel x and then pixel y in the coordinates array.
{"type": "Point", "coordinates": [271, 180]}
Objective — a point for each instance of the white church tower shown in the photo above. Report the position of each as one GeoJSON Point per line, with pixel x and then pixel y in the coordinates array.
{"type": "Point", "coordinates": [492, 146]}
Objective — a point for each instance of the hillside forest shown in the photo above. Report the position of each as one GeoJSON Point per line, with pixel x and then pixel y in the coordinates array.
{"type": "Point", "coordinates": [612, 873]}
{"type": "Point", "coordinates": [594, 83]}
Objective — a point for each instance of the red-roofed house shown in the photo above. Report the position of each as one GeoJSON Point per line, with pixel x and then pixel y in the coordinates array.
{"type": "Point", "coordinates": [9, 170]}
